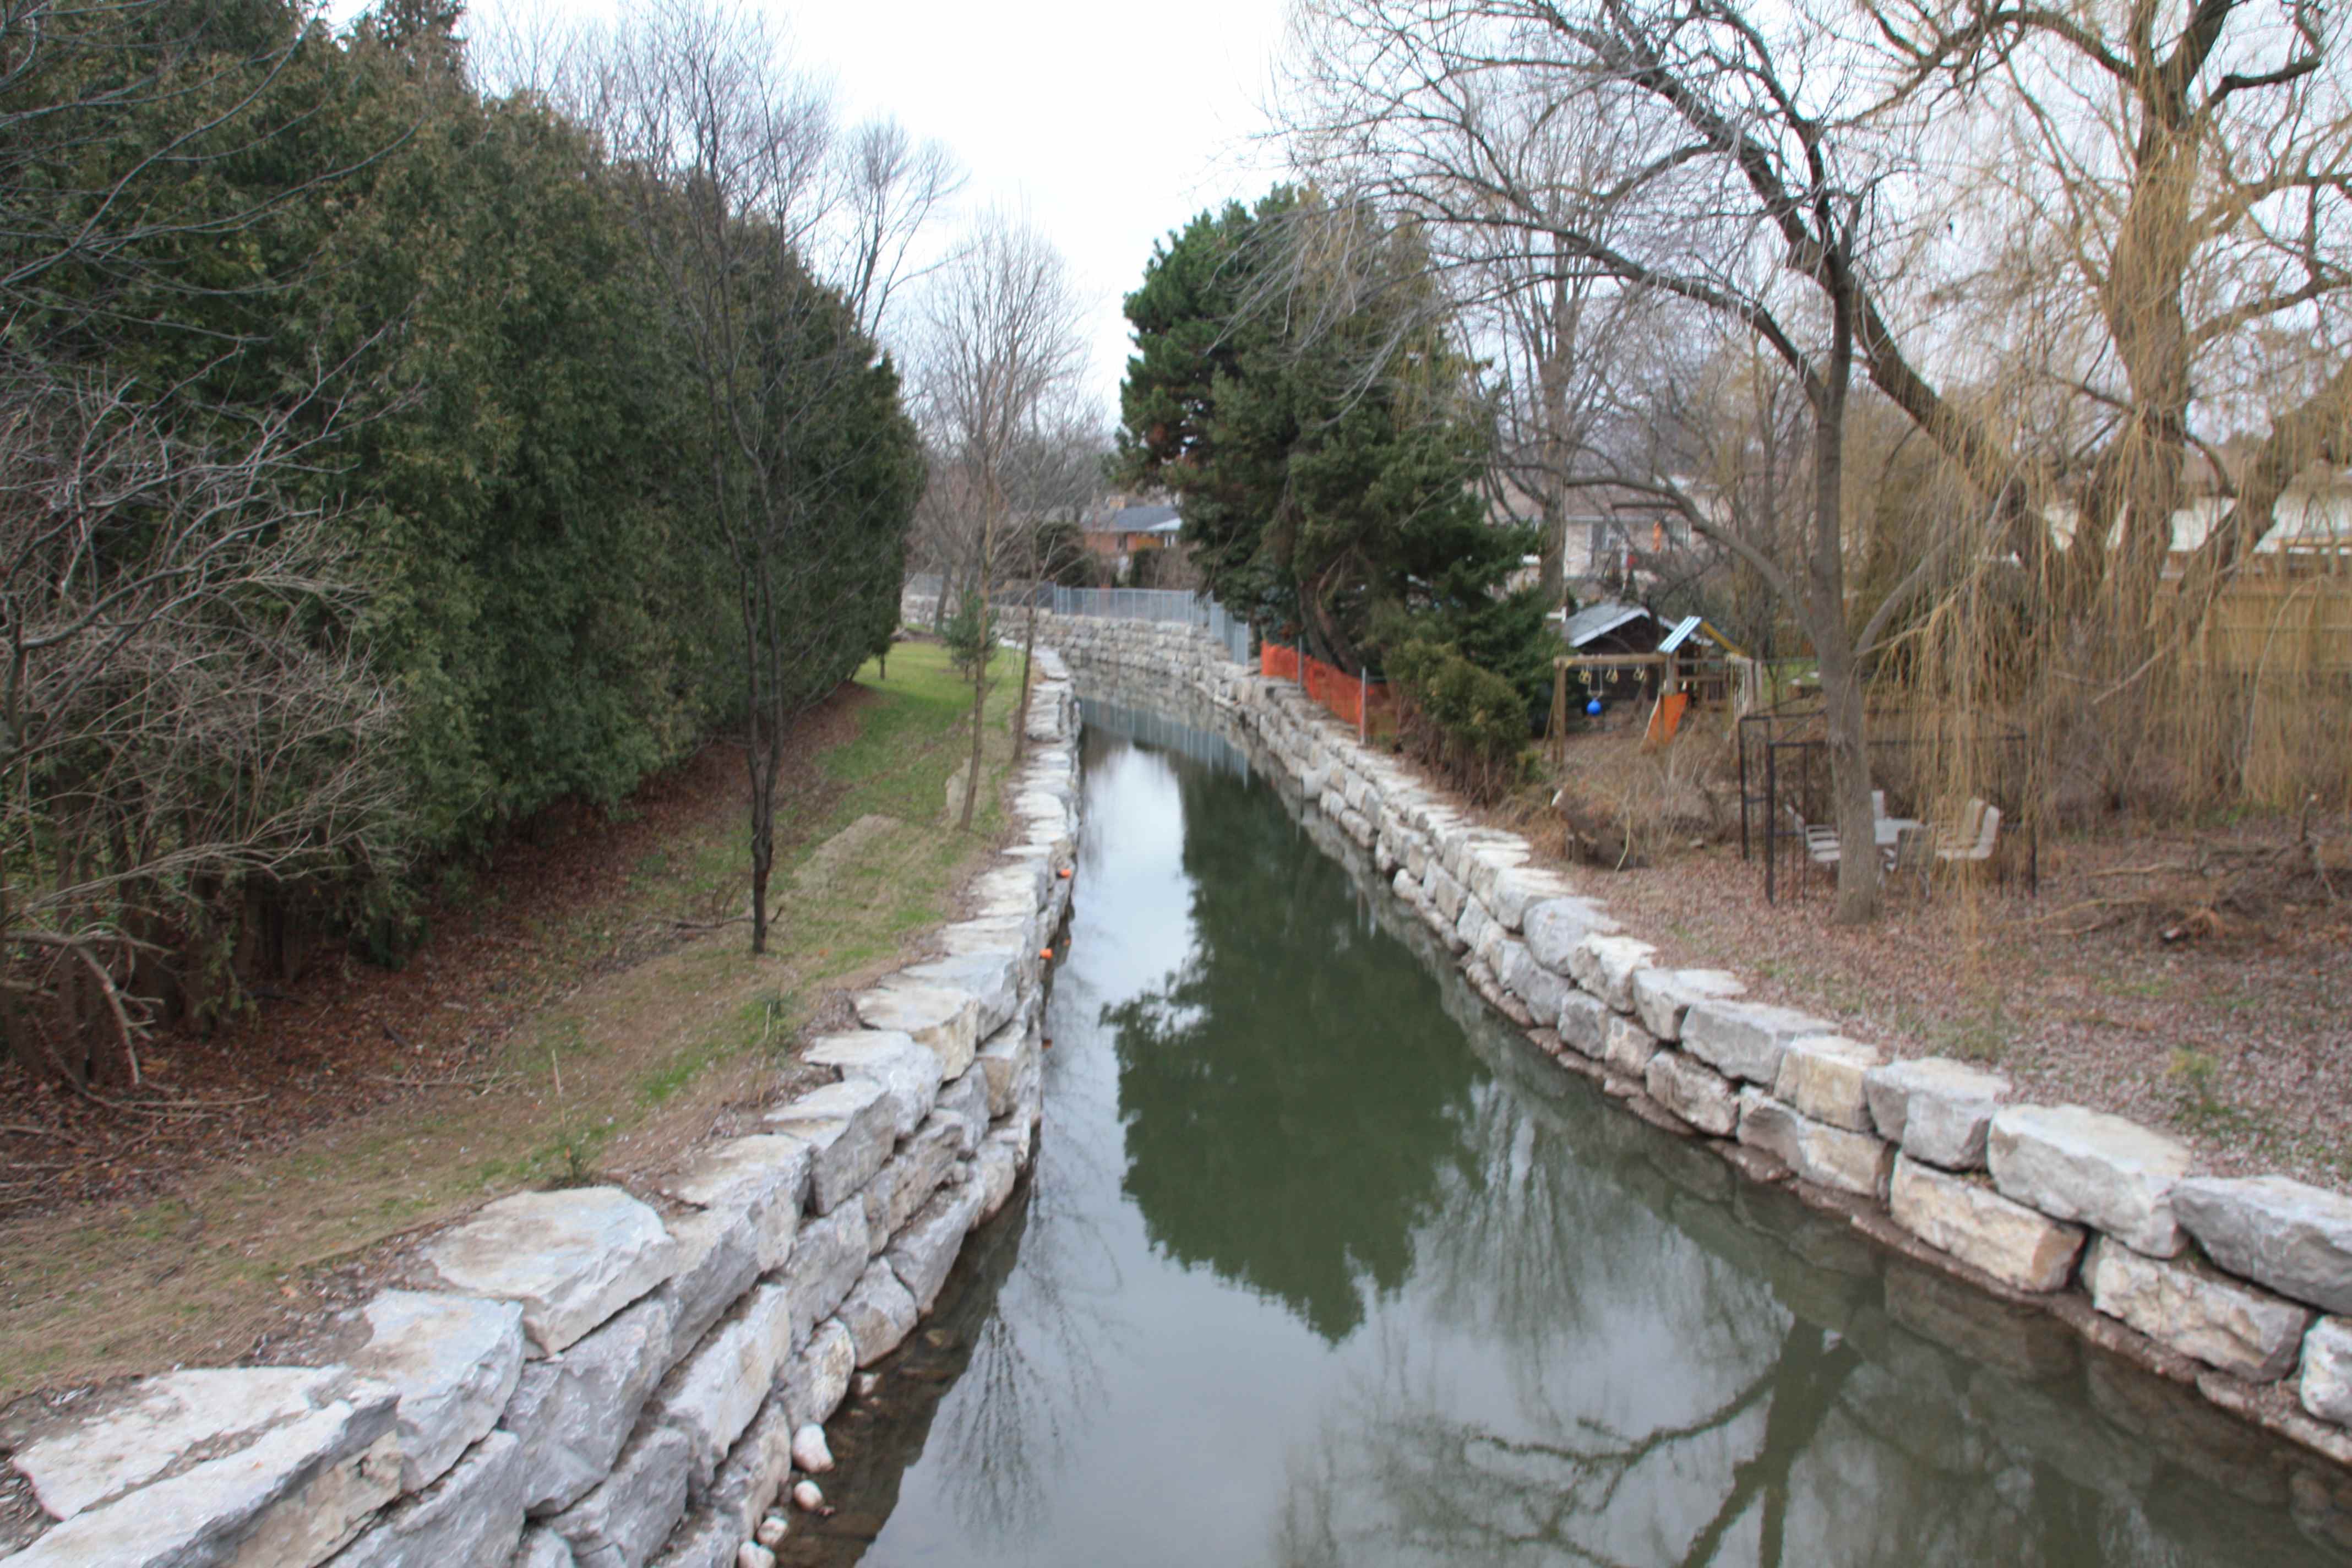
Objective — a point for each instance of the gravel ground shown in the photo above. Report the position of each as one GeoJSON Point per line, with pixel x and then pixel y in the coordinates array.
{"type": "Point", "coordinates": [2198, 982]}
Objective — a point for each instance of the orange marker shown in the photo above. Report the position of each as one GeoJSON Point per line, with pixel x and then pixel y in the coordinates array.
{"type": "Point", "coordinates": [1045, 952]}
{"type": "Point", "coordinates": [1066, 870]}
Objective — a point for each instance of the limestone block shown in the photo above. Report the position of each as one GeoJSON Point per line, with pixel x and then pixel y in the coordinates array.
{"type": "Point", "coordinates": [1624, 1044]}
{"type": "Point", "coordinates": [1483, 865]}
{"type": "Point", "coordinates": [922, 1254]}
{"type": "Point", "coordinates": [1694, 1091]}
{"type": "Point", "coordinates": [1556, 927]}
{"type": "Point", "coordinates": [2199, 1312]}
{"type": "Point", "coordinates": [1823, 1076]}
{"type": "Point", "coordinates": [1541, 991]}
{"type": "Point", "coordinates": [453, 1360]}
{"type": "Point", "coordinates": [2291, 1236]}
{"type": "Point", "coordinates": [1356, 825]}
{"type": "Point", "coordinates": [878, 1313]}
{"type": "Point", "coordinates": [907, 1072]}
{"type": "Point", "coordinates": [705, 1538]}
{"type": "Point", "coordinates": [963, 1103]}
{"type": "Point", "coordinates": [571, 1412]}
{"type": "Point", "coordinates": [471, 1518]}
{"type": "Point", "coordinates": [1020, 1131]}
{"type": "Point", "coordinates": [1000, 1063]}
{"type": "Point", "coordinates": [765, 1176]}
{"type": "Point", "coordinates": [997, 1169]}
{"type": "Point", "coordinates": [1662, 996]}
{"type": "Point", "coordinates": [292, 1495]}
{"type": "Point", "coordinates": [848, 1129]}
{"type": "Point", "coordinates": [2016, 1245]}
{"type": "Point", "coordinates": [1029, 1091]}
{"type": "Point", "coordinates": [2075, 1163]}
{"type": "Point", "coordinates": [1445, 894]}
{"type": "Point", "coordinates": [718, 1257]}
{"type": "Point", "coordinates": [1939, 1110]}
{"type": "Point", "coordinates": [907, 1182]}
{"type": "Point", "coordinates": [1830, 1156]}
{"type": "Point", "coordinates": [541, 1548]}
{"type": "Point", "coordinates": [2327, 1384]}
{"type": "Point", "coordinates": [818, 1378]}
{"type": "Point", "coordinates": [992, 980]}
{"type": "Point", "coordinates": [1019, 883]}
{"type": "Point", "coordinates": [997, 934]}
{"type": "Point", "coordinates": [1584, 1024]}
{"type": "Point", "coordinates": [128, 1439]}
{"type": "Point", "coordinates": [570, 1257]}
{"type": "Point", "coordinates": [714, 1393]}
{"type": "Point", "coordinates": [1519, 888]}
{"type": "Point", "coordinates": [1746, 1039]}
{"type": "Point", "coordinates": [756, 1469]}
{"type": "Point", "coordinates": [1605, 966]}
{"type": "Point", "coordinates": [622, 1522]}
{"type": "Point", "coordinates": [1473, 928]}
{"type": "Point", "coordinates": [831, 1252]}
{"type": "Point", "coordinates": [944, 1018]}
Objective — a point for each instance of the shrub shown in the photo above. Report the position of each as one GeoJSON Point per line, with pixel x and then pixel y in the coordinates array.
{"type": "Point", "coordinates": [969, 633]}
{"type": "Point", "coordinates": [1469, 721]}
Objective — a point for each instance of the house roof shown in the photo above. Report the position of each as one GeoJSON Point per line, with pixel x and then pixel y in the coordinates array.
{"type": "Point", "coordinates": [1681, 634]}
{"type": "Point", "coordinates": [1598, 620]}
{"type": "Point", "coordinates": [1137, 519]}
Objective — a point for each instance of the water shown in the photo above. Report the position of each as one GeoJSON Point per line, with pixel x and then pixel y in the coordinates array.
{"type": "Point", "coordinates": [1323, 1265]}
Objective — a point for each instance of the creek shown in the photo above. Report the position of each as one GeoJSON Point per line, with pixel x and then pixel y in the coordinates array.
{"type": "Point", "coordinates": [1324, 1264]}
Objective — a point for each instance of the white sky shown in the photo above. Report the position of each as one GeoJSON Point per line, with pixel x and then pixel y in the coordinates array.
{"type": "Point", "coordinates": [1106, 122]}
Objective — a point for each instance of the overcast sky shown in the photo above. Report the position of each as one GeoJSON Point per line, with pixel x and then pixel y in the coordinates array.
{"type": "Point", "coordinates": [1108, 124]}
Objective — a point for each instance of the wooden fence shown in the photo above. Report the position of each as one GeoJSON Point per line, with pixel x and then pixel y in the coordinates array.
{"type": "Point", "coordinates": [2279, 626]}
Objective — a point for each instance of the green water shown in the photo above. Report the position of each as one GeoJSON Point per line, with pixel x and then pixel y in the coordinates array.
{"type": "Point", "coordinates": [1323, 1265]}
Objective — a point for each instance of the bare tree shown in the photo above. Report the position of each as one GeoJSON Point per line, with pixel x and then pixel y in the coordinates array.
{"type": "Point", "coordinates": [1058, 478]}
{"type": "Point", "coordinates": [1002, 346]}
{"type": "Point", "coordinates": [1693, 156]}
{"type": "Point", "coordinates": [730, 163]}
{"type": "Point", "coordinates": [169, 729]}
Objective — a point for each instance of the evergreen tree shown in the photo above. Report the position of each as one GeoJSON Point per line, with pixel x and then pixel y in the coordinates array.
{"type": "Point", "coordinates": [1293, 387]}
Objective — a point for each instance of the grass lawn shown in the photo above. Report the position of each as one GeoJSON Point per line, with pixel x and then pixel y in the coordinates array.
{"type": "Point", "coordinates": [636, 1062]}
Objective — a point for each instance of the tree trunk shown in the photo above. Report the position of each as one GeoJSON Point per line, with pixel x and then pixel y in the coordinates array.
{"type": "Point", "coordinates": [1842, 689]}
{"type": "Point", "coordinates": [763, 836]}
{"type": "Point", "coordinates": [1028, 653]}
{"type": "Point", "coordinates": [1849, 748]}
{"type": "Point", "coordinates": [979, 699]}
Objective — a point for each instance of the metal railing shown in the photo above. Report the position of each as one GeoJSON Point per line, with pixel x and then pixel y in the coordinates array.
{"type": "Point", "coordinates": [1163, 604]}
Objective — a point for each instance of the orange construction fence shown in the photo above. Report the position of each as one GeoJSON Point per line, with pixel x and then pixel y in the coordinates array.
{"type": "Point", "coordinates": [1368, 705]}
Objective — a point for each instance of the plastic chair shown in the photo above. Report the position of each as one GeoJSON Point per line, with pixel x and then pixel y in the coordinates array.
{"type": "Point", "coordinates": [1979, 849]}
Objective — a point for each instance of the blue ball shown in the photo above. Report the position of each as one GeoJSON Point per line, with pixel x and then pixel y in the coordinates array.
{"type": "Point", "coordinates": [1593, 708]}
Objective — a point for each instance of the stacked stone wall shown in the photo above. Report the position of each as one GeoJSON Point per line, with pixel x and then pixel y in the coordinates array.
{"type": "Point", "coordinates": [596, 1377]}
{"type": "Point", "coordinates": [2241, 1288]}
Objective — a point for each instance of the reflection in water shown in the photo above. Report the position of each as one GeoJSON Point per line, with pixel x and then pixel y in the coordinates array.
{"type": "Point", "coordinates": [1278, 1130]}
{"type": "Point", "coordinates": [1325, 1266]}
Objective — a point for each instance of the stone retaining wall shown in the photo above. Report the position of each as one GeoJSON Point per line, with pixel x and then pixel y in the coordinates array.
{"type": "Point", "coordinates": [2240, 1288]}
{"type": "Point", "coordinates": [586, 1376]}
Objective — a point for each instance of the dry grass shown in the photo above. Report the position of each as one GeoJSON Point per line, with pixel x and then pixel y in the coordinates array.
{"type": "Point", "coordinates": [233, 1254]}
{"type": "Point", "coordinates": [2197, 979]}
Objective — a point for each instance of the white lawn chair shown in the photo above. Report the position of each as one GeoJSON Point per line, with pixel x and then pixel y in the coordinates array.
{"type": "Point", "coordinates": [1820, 842]}
{"type": "Point", "coordinates": [1976, 850]}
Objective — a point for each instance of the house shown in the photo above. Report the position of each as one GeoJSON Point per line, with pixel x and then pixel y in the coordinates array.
{"type": "Point", "coordinates": [1123, 528]}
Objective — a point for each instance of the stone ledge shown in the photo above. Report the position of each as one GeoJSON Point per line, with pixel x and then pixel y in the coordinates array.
{"type": "Point", "coordinates": [467, 1435]}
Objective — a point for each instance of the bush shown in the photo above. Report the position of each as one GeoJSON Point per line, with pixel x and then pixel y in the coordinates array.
{"type": "Point", "coordinates": [969, 633]}
{"type": "Point", "coordinates": [1470, 722]}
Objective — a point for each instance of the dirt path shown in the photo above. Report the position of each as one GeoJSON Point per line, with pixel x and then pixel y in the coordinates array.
{"type": "Point", "coordinates": [629, 1041]}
